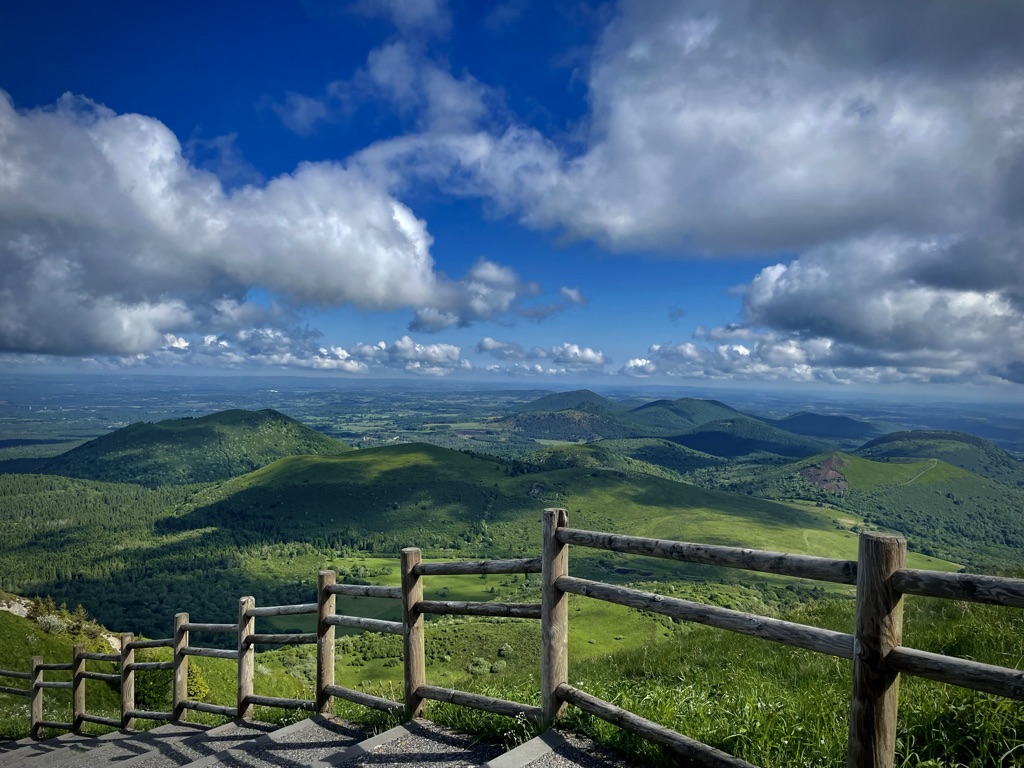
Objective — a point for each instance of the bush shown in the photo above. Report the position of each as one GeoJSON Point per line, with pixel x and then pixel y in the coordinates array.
{"type": "Point", "coordinates": [52, 623]}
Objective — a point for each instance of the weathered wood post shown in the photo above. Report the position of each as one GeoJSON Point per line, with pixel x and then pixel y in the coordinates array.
{"type": "Point", "coordinates": [554, 619]}
{"type": "Point", "coordinates": [324, 642]}
{"type": "Point", "coordinates": [77, 687]}
{"type": "Point", "coordinates": [246, 656]}
{"type": "Point", "coordinates": [412, 634]}
{"type": "Point", "coordinates": [879, 629]}
{"type": "Point", "coordinates": [36, 702]}
{"type": "Point", "coordinates": [127, 680]}
{"type": "Point", "coordinates": [179, 692]}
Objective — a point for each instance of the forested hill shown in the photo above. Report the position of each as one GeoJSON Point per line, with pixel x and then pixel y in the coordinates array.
{"type": "Point", "coordinates": [191, 450]}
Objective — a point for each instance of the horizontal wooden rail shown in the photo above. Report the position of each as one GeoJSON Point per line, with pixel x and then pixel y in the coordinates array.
{"type": "Point", "coordinates": [689, 748]}
{"type": "Point", "coordinates": [61, 684]}
{"type": "Point", "coordinates": [797, 566]}
{"type": "Point", "coordinates": [192, 626]}
{"type": "Point", "coordinates": [455, 608]}
{"type": "Point", "coordinates": [166, 642]}
{"type": "Point", "coordinates": [988, 678]}
{"type": "Point", "coordinates": [148, 666]}
{"type": "Point", "coordinates": [15, 675]}
{"type": "Point", "coordinates": [213, 709]}
{"type": "Point", "coordinates": [278, 702]}
{"type": "Point", "coordinates": [210, 653]}
{"type": "Point", "coordinates": [365, 590]}
{"type": "Point", "coordinates": [993, 590]}
{"type": "Point", "coordinates": [107, 677]}
{"type": "Point", "coordinates": [15, 691]}
{"type": "Point", "coordinates": [145, 714]}
{"type": "Point", "coordinates": [370, 625]}
{"type": "Point", "coordinates": [99, 720]}
{"type": "Point", "coordinates": [476, 567]}
{"type": "Point", "coordinates": [281, 610]}
{"type": "Point", "coordinates": [55, 725]}
{"type": "Point", "coordinates": [366, 699]}
{"type": "Point", "coordinates": [477, 701]}
{"type": "Point", "coordinates": [786, 632]}
{"type": "Point", "coordinates": [285, 639]}
{"type": "Point", "coordinates": [55, 667]}
{"type": "Point", "coordinates": [115, 657]}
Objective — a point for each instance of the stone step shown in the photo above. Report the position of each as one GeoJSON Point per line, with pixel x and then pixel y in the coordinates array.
{"type": "Point", "coordinates": [72, 742]}
{"type": "Point", "coordinates": [194, 748]}
{"type": "Point", "coordinates": [115, 749]}
{"type": "Point", "coordinates": [300, 744]}
{"type": "Point", "coordinates": [419, 743]}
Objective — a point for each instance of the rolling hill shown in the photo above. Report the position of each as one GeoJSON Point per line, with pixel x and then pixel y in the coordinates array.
{"type": "Point", "coordinates": [942, 509]}
{"type": "Point", "coordinates": [584, 422]}
{"type": "Point", "coordinates": [183, 451]}
{"type": "Point", "coordinates": [267, 532]}
{"type": "Point", "coordinates": [957, 448]}
{"type": "Point", "coordinates": [827, 426]}
{"type": "Point", "coordinates": [743, 436]}
{"type": "Point", "coordinates": [669, 417]}
{"type": "Point", "coordinates": [561, 401]}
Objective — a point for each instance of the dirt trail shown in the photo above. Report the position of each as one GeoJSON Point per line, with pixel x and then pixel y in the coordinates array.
{"type": "Point", "coordinates": [935, 463]}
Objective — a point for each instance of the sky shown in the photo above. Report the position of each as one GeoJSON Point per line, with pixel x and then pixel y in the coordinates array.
{"type": "Point", "coordinates": [799, 193]}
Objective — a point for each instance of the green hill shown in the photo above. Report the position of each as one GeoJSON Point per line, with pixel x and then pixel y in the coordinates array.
{"type": "Point", "coordinates": [670, 417]}
{"type": "Point", "coordinates": [743, 436]}
{"type": "Point", "coordinates": [942, 509]}
{"type": "Point", "coordinates": [561, 401]}
{"type": "Point", "coordinates": [956, 448]}
{"type": "Point", "coordinates": [183, 451]}
{"type": "Point", "coordinates": [653, 456]}
{"type": "Point", "coordinates": [588, 421]}
{"type": "Point", "coordinates": [827, 426]}
{"type": "Point", "coordinates": [266, 533]}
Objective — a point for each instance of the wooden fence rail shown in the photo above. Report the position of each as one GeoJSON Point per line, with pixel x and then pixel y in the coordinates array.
{"type": "Point", "coordinates": [875, 648]}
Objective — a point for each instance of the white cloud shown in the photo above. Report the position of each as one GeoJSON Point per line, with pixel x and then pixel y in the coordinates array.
{"type": "Point", "coordinates": [577, 356]}
{"type": "Point", "coordinates": [893, 169]}
{"type": "Point", "coordinates": [410, 17]}
{"type": "Point", "coordinates": [110, 240]}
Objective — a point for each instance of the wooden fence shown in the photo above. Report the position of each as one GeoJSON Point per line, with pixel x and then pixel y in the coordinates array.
{"type": "Point", "coordinates": [875, 648]}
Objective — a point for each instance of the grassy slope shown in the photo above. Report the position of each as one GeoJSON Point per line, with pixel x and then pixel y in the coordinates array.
{"type": "Point", "coordinates": [182, 451]}
{"type": "Point", "coordinates": [943, 510]}
{"type": "Point", "coordinates": [956, 448]}
{"type": "Point", "coordinates": [244, 535]}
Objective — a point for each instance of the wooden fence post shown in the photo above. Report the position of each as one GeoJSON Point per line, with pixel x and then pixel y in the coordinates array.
{"type": "Point", "coordinates": [36, 702]}
{"type": "Point", "coordinates": [324, 642]}
{"type": "Point", "coordinates": [879, 629]}
{"type": "Point", "coordinates": [412, 635]}
{"type": "Point", "coordinates": [554, 619]}
{"type": "Point", "coordinates": [127, 680]}
{"type": "Point", "coordinates": [246, 656]}
{"type": "Point", "coordinates": [77, 687]}
{"type": "Point", "coordinates": [179, 691]}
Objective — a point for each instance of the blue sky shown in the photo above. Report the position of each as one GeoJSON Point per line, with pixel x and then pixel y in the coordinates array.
{"type": "Point", "coordinates": [805, 193]}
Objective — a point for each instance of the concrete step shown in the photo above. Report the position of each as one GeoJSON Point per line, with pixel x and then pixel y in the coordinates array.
{"type": "Point", "coordinates": [200, 746]}
{"type": "Point", "coordinates": [72, 742]}
{"type": "Point", "coordinates": [116, 749]}
{"type": "Point", "coordinates": [554, 749]}
{"type": "Point", "coordinates": [419, 742]}
{"type": "Point", "coordinates": [300, 744]}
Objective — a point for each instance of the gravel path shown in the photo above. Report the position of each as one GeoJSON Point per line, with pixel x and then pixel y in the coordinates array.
{"type": "Point", "coordinates": [431, 746]}
{"type": "Point", "coordinates": [301, 746]}
{"type": "Point", "coordinates": [581, 752]}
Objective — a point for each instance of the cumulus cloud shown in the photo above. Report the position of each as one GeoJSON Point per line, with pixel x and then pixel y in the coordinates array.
{"type": "Point", "coordinates": [882, 154]}
{"type": "Point", "coordinates": [110, 239]}
{"type": "Point", "coordinates": [410, 17]}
